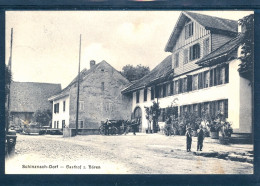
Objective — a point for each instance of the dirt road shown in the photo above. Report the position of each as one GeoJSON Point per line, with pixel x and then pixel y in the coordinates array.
{"type": "Point", "coordinates": [140, 154]}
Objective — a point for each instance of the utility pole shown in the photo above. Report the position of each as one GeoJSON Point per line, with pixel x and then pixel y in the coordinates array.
{"type": "Point", "coordinates": [77, 111]}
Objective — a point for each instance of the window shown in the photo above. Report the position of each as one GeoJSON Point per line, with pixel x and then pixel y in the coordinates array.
{"type": "Point", "coordinates": [137, 96]}
{"type": "Point", "coordinates": [185, 56]}
{"type": "Point", "coordinates": [57, 124]}
{"type": "Point", "coordinates": [200, 80]}
{"type": "Point", "coordinates": [164, 90]}
{"type": "Point", "coordinates": [176, 87]}
{"type": "Point", "coordinates": [157, 91]}
{"type": "Point", "coordinates": [206, 46]}
{"type": "Point", "coordinates": [56, 108]}
{"type": "Point", "coordinates": [63, 123]}
{"type": "Point", "coordinates": [195, 52]}
{"type": "Point", "coordinates": [184, 89]}
{"type": "Point", "coordinates": [145, 94]}
{"type": "Point", "coordinates": [102, 86]}
{"type": "Point", "coordinates": [81, 124]}
{"type": "Point", "coordinates": [176, 60]}
{"type": "Point", "coordinates": [189, 82]}
{"type": "Point", "coordinates": [180, 85]}
{"type": "Point", "coordinates": [206, 79]}
{"type": "Point", "coordinates": [81, 105]}
{"type": "Point", "coordinates": [64, 105]}
{"type": "Point", "coordinates": [171, 87]}
{"type": "Point", "coordinates": [188, 30]}
{"type": "Point", "coordinates": [152, 93]}
{"type": "Point", "coordinates": [195, 82]}
{"type": "Point", "coordinates": [222, 75]}
{"type": "Point", "coordinates": [54, 124]}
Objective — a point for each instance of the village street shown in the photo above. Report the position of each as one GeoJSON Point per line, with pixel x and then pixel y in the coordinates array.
{"type": "Point", "coordinates": [125, 154]}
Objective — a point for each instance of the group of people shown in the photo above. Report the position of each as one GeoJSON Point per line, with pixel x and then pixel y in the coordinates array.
{"type": "Point", "coordinates": [189, 138]}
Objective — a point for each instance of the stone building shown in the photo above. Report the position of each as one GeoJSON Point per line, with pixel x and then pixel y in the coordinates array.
{"type": "Point", "coordinates": [99, 98]}
{"type": "Point", "coordinates": [28, 97]}
{"type": "Point", "coordinates": [200, 74]}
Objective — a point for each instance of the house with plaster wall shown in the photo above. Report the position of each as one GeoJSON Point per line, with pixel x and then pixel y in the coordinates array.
{"type": "Point", "coordinates": [200, 73]}
{"type": "Point", "coordinates": [99, 98]}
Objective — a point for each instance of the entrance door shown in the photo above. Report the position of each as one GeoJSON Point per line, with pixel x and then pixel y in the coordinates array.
{"type": "Point", "coordinates": [138, 117]}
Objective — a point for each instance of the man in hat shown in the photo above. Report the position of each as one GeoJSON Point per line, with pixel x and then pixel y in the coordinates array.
{"type": "Point", "coordinates": [188, 139]}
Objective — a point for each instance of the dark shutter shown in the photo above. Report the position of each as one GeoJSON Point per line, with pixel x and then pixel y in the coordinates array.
{"type": "Point", "coordinates": [152, 93]}
{"type": "Point", "coordinates": [226, 108]}
{"type": "Point", "coordinates": [156, 91]}
{"type": "Point", "coordinates": [227, 73]}
{"type": "Point", "coordinates": [199, 109]}
{"type": "Point", "coordinates": [189, 83]}
{"type": "Point", "coordinates": [181, 111]}
{"type": "Point", "coordinates": [180, 85]}
{"type": "Point", "coordinates": [211, 77]}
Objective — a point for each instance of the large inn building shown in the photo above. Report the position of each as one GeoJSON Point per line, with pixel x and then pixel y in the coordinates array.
{"type": "Point", "coordinates": [201, 73]}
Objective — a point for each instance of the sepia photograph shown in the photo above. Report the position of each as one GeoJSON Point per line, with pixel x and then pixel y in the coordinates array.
{"type": "Point", "coordinates": [129, 92]}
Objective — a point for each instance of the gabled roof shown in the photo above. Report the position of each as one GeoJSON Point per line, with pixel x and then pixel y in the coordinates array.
{"type": "Point", "coordinates": [214, 24]}
{"type": "Point", "coordinates": [160, 71]}
{"type": "Point", "coordinates": [221, 52]}
{"type": "Point", "coordinates": [83, 74]}
{"type": "Point", "coordinates": [31, 96]}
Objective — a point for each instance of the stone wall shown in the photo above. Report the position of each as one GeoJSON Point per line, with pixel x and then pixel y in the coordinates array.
{"type": "Point", "coordinates": [100, 98]}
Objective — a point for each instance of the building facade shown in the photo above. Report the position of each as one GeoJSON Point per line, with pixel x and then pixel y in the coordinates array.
{"type": "Point", "coordinates": [100, 98]}
{"type": "Point", "coordinates": [200, 74]}
{"type": "Point", "coordinates": [28, 97]}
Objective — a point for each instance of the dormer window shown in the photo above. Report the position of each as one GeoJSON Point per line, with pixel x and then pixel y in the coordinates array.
{"type": "Point", "coordinates": [188, 30]}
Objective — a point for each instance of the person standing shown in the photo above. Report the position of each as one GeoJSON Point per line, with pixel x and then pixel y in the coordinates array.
{"type": "Point", "coordinates": [200, 138]}
{"type": "Point", "coordinates": [188, 139]}
{"type": "Point", "coordinates": [107, 125]}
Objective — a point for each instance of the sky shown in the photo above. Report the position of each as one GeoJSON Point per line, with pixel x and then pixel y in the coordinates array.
{"type": "Point", "coordinates": [46, 43]}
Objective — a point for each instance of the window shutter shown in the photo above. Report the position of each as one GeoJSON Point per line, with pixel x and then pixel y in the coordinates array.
{"type": "Point", "coordinates": [227, 73]}
{"type": "Point", "coordinates": [58, 107]}
{"type": "Point", "coordinates": [226, 108]}
{"type": "Point", "coordinates": [215, 77]}
{"type": "Point", "coordinates": [200, 80]}
{"type": "Point", "coordinates": [199, 109]}
{"type": "Point", "coordinates": [181, 111]}
{"type": "Point", "coordinates": [211, 78]}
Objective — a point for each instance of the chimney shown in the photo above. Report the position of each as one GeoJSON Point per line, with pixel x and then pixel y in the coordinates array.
{"type": "Point", "coordinates": [92, 63]}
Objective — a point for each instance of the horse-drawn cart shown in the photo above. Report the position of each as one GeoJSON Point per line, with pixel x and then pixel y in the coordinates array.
{"type": "Point", "coordinates": [117, 127]}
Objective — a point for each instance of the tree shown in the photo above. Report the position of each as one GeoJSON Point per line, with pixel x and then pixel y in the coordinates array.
{"type": "Point", "coordinates": [247, 50]}
{"type": "Point", "coordinates": [43, 117]}
{"type": "Point", "coordinates": [134, 73]}
{"type": "Point", "coordinates": [152, 114]}
{"type": "Point", "coordinates": [8, 79]}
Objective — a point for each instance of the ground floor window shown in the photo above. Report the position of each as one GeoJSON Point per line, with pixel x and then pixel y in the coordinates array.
{"type": "Point", "coordinates": [212, 108]}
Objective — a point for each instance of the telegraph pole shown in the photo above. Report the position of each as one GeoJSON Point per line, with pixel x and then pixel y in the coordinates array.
{"type": "Point", "coordinates": [77, 111]}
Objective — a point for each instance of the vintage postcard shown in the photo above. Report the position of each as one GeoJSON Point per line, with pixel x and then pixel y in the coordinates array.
{"type": "Point", "coordinates": [129, 92]}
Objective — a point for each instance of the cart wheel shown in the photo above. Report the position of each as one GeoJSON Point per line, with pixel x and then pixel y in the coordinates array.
{"type": "Point", "coordinates": [114, 130]}
{"type": "Point", "coordinates": [102, 130]}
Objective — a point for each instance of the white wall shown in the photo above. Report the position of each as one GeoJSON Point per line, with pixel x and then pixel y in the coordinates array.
{"type": "Point", "coordinates": [239, 112]}
{"type": "Point", "coordinates": [62, 115]}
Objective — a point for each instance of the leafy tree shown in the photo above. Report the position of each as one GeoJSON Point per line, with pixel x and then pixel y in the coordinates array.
{"type": "Point", "coordinates": [134, 73]}
{"type": "Point", "coordinates": [152, 113]}
{"type": "Point", "coordinates": [247, 50]}
{"type": "Point", "coordinates": [43, 117]}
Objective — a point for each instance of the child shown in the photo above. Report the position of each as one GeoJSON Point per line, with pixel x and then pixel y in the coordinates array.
{"type": "Point", "coordinates": [188, 139]}
{"type": "Point", "coordinates": [200, 138]}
